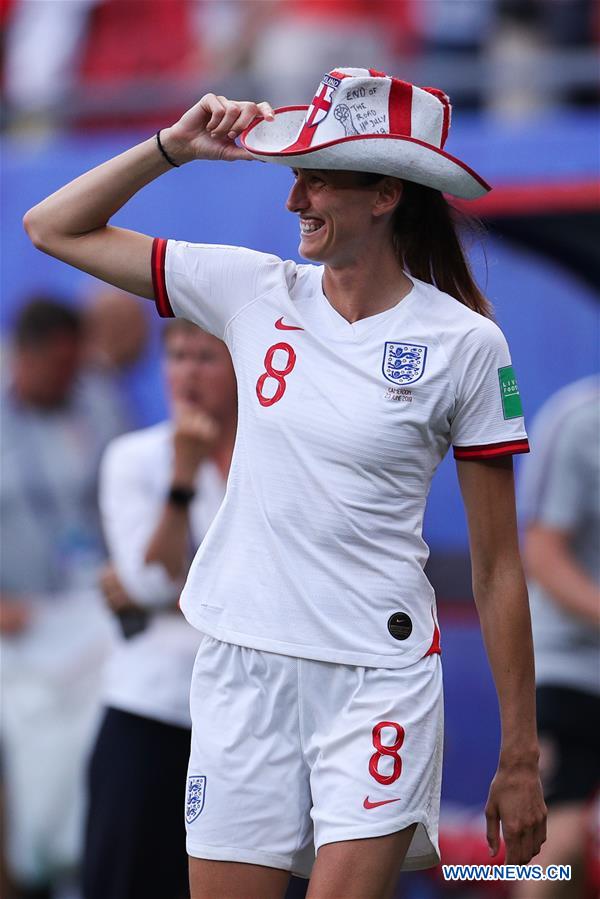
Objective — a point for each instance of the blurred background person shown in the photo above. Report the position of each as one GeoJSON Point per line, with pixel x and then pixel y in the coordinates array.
{"type": "Point", "coordinates": [55, 630]}
{"type": "Point", "coordinates": [116, 329]}
{"type": "Point", "coordinates": [160, 489]}
{"type": "Point", "coordinates": [117, 338]}
{"type": "Point", "coordinates": [560, 487]}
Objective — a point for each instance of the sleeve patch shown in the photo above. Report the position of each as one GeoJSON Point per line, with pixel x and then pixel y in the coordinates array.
{"type": "Point", "coordinates": [509, 392]}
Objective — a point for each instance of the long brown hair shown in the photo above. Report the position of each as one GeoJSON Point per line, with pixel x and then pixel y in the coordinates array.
{"type": "Point", "coordinates": [428, 245]}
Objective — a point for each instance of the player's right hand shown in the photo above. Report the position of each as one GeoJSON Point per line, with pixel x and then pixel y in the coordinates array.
{"type": "Point", "coordinates": [209, 129]}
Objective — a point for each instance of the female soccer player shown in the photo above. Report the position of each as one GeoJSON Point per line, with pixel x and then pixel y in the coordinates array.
{"type": "Point", "coordinates": [317, 693]}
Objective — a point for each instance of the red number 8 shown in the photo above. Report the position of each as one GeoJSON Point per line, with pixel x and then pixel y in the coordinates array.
{"type": "Point", "coordinates": [391, 751]}
{"type": "Point", "coordinates": [279, 374]}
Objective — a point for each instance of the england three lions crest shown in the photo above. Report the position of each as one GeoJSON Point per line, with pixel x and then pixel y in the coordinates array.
{"type": "Point", "coordinates": [403, 363]}
{"type": "Point", "coordinates": [194, 800]}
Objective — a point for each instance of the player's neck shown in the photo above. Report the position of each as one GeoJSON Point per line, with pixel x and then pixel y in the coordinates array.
{"type": "Point", "coordinates": [366, 286]}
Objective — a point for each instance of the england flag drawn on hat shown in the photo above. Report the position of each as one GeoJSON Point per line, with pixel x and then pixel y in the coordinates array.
{"type": "Point", "coordinates": [318, 109]}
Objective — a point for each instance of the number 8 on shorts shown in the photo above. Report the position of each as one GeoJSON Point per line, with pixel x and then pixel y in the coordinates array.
{"type": "Point", "coordinates": [389, 751]}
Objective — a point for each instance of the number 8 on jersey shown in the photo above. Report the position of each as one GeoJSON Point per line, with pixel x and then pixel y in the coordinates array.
{"type": "Point", "coordinates": [277, 374]}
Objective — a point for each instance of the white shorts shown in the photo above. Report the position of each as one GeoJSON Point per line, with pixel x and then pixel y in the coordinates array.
{"type": "Point", "coordinates": [289, 754]}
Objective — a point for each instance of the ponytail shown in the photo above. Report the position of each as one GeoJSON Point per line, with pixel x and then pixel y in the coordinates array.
{"type": "Point", "coordinates": [426, 241]}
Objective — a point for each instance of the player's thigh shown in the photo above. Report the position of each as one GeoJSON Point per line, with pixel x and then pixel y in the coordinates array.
{"type": "Point", "coordinates": [360, 869]}
{"type": "Point", "coordinates": [235, 880]}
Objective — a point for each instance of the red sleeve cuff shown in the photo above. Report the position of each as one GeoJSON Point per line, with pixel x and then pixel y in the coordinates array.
{"type": "Point", "coordinates": [159, 283]}
{"type": "Point", "coordinates": [492, 450]}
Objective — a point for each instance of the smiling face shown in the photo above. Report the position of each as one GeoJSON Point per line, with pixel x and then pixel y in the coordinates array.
{"type": "Point", "coordinates": [337, 211]}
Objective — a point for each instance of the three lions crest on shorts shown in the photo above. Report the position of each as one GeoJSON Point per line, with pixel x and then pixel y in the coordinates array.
{"type": "Point", "coordinates": [403, 363]}
{"type": "Point", "coordinates": [194, 800]}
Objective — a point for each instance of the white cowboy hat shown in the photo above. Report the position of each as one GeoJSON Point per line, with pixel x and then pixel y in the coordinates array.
{"type": "Point", "coordinates": [365, 121]}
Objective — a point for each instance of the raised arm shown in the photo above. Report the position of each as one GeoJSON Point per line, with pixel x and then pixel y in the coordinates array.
{"type": "Point", "coordinates": [515, 797]}
{"type": "Point", "coordinates": [72, 224]}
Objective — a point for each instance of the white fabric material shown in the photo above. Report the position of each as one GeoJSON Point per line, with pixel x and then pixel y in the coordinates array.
{"type": "Point", "coordinates": [427, 117]}
{"type": "Point", "coordinates": [319, 539]}
{"type": "Point", "coordinates": [289, 747]}
{"type": "Point", "coordinates": [149, 674]}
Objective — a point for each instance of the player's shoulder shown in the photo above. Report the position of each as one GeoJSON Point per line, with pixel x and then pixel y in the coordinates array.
{"type": "Point", "coordinates": [189, 250]}
{"type": "Point", "coordinates": [450, 320]}
{"type": "Point", "coordinates": [260, 272]}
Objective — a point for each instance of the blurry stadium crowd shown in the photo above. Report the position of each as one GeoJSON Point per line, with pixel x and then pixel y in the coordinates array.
{"type": "Point", "coordinates": [111, 62]}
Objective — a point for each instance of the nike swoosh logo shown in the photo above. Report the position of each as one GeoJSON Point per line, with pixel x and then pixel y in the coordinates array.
{"type": "Point", "coordinates": [279, 324]}
{"type": "Point", "coordinates": [368, 804]}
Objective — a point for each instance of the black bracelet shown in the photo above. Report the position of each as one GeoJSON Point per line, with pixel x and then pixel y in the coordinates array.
{"type": "Point", "coordinates": [164, 152]}
{"type": "Point", "coordinates": [180, 496]}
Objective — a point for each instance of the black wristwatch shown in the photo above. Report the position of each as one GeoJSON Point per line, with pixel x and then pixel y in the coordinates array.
{"type": "Point", "coordinates": [180, 496]}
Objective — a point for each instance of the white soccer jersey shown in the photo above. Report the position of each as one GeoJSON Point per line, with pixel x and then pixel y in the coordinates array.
{"type": "Point", "coordinates": [317, 551]}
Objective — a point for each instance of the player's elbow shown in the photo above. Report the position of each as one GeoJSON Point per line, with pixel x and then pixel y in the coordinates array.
{"type": "Point", "coordinates": [35, 229]}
